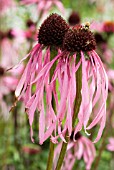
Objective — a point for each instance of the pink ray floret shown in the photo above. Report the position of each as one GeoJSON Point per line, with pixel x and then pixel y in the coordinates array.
{"type": "Point", "coordinates": [81, 148]}
{"type": "Point", "coordinates": [110, 145]}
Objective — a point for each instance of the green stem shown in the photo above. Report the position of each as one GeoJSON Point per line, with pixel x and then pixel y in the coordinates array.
{"type": "Point", "coordinates": [50, 158]}
{"type": "Point", "coordinates": [76, 110]}
{"type": "Point", "coordinates": [51, 150]}
{"type": "Point", "coordinates": [78, 92]}
{"type": "Point", "coordinates": [63, 152]}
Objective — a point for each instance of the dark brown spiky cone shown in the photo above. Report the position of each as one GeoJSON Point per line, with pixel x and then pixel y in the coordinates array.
{"type": "Point", "coordinates": [79, 39]}
{"type": "Point", "coordinates": [52, 31]}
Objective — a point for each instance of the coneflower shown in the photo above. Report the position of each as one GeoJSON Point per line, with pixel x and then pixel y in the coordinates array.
{"type": "Point", "coordinates": [50, 36]}
{"type": "Point", "coordinates": [81, 41]}
{"type": "Point", "coordinates": [108, 27]}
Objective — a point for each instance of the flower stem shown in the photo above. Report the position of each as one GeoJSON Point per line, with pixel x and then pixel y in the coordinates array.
{"type": "Point", "coordinates": [76, 110]}
{"type": "Point", "coordinates": [78, 92]}
{"type": "Point", "coordinates": [50, 158]}
{"type": "Point", "coordinates": [51, 150]}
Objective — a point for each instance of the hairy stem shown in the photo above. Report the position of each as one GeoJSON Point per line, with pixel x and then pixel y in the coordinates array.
{"type": "Point", "coordinates": [76, 110]}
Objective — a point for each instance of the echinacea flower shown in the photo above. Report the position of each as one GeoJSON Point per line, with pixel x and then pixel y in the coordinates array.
{"type": "Point", "coordinates": [81, 148]}
{"type": "Point", "coordinates": [50, 35]}
{"type": "Point", "coordinates": [94, 79]}
{"type": "Point", "coordinates": [30, 34]}
{"type": "Point", "coordinates": [9, 52]}
{"type": "Point", "coordinates": [103, 49]}
{"type": "Point", "coordinates": [110, 145]}
{"type": "Point", "coordinates": [108, 27]}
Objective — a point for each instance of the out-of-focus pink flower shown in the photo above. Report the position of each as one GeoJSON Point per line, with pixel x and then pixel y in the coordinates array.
{"type": "Point", "coordinates": [110, 146]}
{"type": "Point", "coordinates": [29, 34]}
{"type": "Point", "coordinates": [96, 26]}
{"type": "Point", "coordinates": [43, 6]}
{"type": "Point", "coordinates": [5, 4]}
{"type": "Point", "coordinates": [81, 148]}
{"type": "Point", "coordinates": [110, 112]}
{"type": "Point", "coordinates": [8, 83]}
{"type": "Point", "coordinates": [110, 74]}
{"type": "Point", "coordinates": [108, 27]}
{"type": "Point", "coordinates": [9, 52]}
{"type": "Point", "coordinates": [103, 49]}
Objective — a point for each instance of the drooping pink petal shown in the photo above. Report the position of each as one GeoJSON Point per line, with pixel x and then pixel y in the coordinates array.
{"type": "Point", "coordinates": [41, 125]}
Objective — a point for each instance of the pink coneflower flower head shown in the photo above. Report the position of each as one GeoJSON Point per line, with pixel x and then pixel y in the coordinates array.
{"type": "Point", "coordinates": [82, 148]}
{"type": "Point", "coordinates": [8, 83]}
{"type": "Point", "coordinates": [81, 41]}
{"type": "Point", "coordinates": [31, 32]}
{"type": "Point", "coordinates": [102, 48]}
{"type": "Point", "coordinates": [74, 18]}
{"type": "Point", "coordinates": [110, 146]}
{"type": "Point", "coordinates": [50, 35]}
{"type": "Point", "coordinates": [96, 26]}
{"type": "Point", "coordinates": [108, 27]}
{"type": "Point", "coordinates": [4, 5]}
{"type": "Point", "coordinates": [9, 55]}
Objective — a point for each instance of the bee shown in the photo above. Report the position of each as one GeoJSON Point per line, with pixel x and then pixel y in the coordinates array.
{"type": "Point", "coordinates": [87, 25]}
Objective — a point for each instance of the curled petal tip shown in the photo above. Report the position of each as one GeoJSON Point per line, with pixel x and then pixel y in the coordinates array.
{"type": "Point", "coordinates": [88, 134]}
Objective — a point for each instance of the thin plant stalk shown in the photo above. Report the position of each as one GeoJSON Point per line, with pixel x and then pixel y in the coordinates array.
{"type": "Point", "coordinates": [51, 150]}
{"type": "Point", "coordinates": [76, 110]}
